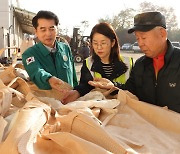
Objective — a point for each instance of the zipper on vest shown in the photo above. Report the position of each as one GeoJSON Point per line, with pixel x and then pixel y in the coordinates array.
{"type": "Point", "coordinates": [54, 60]}
{"type": "Point", "coordinates": [155, 85]}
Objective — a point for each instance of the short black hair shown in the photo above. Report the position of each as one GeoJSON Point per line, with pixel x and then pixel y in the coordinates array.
{"type": "Point", "coordinates": [44, 15]}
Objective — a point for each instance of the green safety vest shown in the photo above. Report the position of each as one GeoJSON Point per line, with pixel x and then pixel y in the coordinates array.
{"type": "Point", "coordinates": [122, 78]}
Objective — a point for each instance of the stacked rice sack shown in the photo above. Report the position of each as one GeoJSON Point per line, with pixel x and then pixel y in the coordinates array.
{"type": "Point", "coordinates": [35, 121]}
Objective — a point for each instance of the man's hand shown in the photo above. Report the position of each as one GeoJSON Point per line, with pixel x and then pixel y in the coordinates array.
{"type": "Point", "coordinates": [70, 96]}
{"type": "Point", "coordinates": [59, 85]}
{"type": "Point", "coordinates": [102, 83]}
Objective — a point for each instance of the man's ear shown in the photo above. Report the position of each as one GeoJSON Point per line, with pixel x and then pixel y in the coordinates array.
{"type": "Point", "coordinates": [163, 32]}
{"type": "Point", "coordinates": [35, 31]}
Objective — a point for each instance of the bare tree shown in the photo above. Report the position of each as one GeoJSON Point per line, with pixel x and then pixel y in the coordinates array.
{"type": "Point", "coordinates": [84, 25]}
{"type": "Point", "coordinates": [106, 19]}
{"type": "Point", "coordinates": [121, 21]}
{"type": "Point", "coordinates": [147, 6]}
{"type": "Point", "coordinates": [124, 20]}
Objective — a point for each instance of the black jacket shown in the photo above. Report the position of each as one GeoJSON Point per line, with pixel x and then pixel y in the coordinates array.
{"type": "Point", "coordinates": [163, 91]}
{"type": "Point", "coordinates": [83, 87]}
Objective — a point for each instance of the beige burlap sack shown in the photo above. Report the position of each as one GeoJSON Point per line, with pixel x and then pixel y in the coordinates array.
{"type": "Point", "coordinates": [22, 73]}
{"type": "Point", "coordinates": [126, 127]}
{"type": "Point", "coordinates": [67, 143]}
{"type": "Point", "coordinates": [19, 66]}
{"type": "Point", "coordinates": [6, 94]}
{"type": "Point", "coordinates": [8, 75]}
{"type": "Point", "coordinates": [5, 98]}
{"type": "Point", "coordinates": [137, 126]}
{"type": "Point", "coordinates": [144, 127]}
{"type": "Point", "coordinates": [23, 135]}
{"type": "Point", "coordinates": [3, 124]}
{"type": "Point", "coordinates": [158, 116]}
{"type": "Point", "coordinates": [81, 124]}
{"type": "Point", "coordinates": [21, 86]}
{"type": "Point", "coordinates": [24, 127]}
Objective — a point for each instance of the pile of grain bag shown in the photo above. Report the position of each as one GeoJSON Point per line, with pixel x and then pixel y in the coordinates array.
{"type": "Point", "coordinates": [35, 121]}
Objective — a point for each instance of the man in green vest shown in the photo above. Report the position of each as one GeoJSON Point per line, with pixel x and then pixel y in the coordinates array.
{"type": "Point", "coordinates": [49, 63]}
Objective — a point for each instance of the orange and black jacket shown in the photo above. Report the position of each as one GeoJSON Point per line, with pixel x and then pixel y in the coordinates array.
{"type": "Point", "coordinates": [163, 90]}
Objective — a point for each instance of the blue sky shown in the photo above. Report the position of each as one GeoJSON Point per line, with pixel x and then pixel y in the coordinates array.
{"type": "Point", "coordinates": [72, 12]}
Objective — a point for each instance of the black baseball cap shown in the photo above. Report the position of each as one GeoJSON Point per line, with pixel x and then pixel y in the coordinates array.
{"type": "Point", "coordinates": [147, 21]}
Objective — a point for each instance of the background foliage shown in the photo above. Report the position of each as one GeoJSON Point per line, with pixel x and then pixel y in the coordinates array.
{"type": "Point", "coordinates": [124, 20]}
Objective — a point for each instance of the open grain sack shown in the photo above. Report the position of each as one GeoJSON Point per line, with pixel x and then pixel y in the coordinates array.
{"type": "Point", "coordinates": [35, 129]}
{"type": "Point", "coordinates": [95, 125]}
{"type": "Point", "coordinates": [161, 117]}
{"type": "Point", "coordinates": [24, 126]}
{"type": "Point", "coordinates": [8, 75]}
{"type": "Point", "coordinates": [144, 127]}
{"type": "Point", "coordinates": [136, 126]}
{"type": "Point", "coordinates": [21, 86]}
{"type": "Point", "coordinates": [6, 94]}
{"type": "Point", "coordinates": [6, 108]}
{"type": "Point", "coordinates": [3, 124]}
{"type": "Point", "coordinates": [22, 73]}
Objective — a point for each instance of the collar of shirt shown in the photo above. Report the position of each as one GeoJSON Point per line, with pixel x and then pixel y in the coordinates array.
{"type": "Point", "coordinates": [50, 49]}
{"type": "Point", "coordinates": [158, 62]}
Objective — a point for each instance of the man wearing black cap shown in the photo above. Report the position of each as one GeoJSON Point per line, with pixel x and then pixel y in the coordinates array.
{"type": "Point", "coordinates": [146, 21]}
{"type": "Point", "coordinates": [155, 77]}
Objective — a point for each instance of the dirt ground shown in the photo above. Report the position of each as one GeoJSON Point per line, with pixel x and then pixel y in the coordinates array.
{"type": "Point", "coordinates": [135, 56]}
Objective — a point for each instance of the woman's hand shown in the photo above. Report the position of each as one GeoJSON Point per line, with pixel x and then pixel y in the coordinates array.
{"type": "Point", "coordinates": [102, 83]}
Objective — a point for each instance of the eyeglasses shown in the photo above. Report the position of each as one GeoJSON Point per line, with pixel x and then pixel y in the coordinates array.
{"type": "Point", "coordinates": [102, 45]}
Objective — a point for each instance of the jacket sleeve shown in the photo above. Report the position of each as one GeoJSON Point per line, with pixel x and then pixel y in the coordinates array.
{"type": "Point", "coordinates": [83, 87]}
{"type": "Point", "coordinates": [35, 71]}
{"type": "Point", "coordinates": [75, 81]}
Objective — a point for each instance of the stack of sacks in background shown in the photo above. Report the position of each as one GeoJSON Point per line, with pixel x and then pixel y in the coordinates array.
{"type": "Point", "coordinates": [34, 121]}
